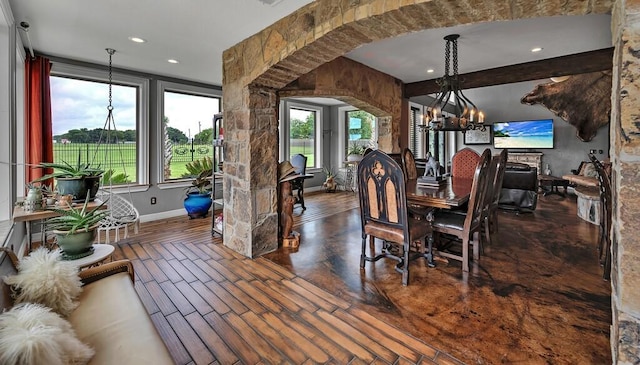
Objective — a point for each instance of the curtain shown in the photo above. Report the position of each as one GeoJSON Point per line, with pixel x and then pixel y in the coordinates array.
{"type": "Point", "coordinates": [38, 128]}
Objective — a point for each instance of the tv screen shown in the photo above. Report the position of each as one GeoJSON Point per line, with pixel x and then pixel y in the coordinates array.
{"type": "Point", "coordinates": [523, 134]}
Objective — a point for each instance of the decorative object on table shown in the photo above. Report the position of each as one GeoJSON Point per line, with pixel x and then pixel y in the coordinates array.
{"type": "Point", "coordinates": [75, 228]}
{"type": "Point", "coordinates": [287, 173]}
{"type": "Point", "coordinates": [33, 334]}
{"type": "Point", "coordinates": [547, 170]}
{"type": "Point", "coordinates": [466, 115]}
{"type": "Point", "coordinates": [198, 199]}
{"type": "Point", "coordinates": [479, 136]}
{"type": "Point", "coordinates": [432, 167]}
{"type": "Point", "coordinates": [46, 279]}
{"type": "Point", "coordinates": [79, 180]}
{"type": "Point", "coordinates": [64, 200]}
{"type": "Point", "coordinates": [34, 199]}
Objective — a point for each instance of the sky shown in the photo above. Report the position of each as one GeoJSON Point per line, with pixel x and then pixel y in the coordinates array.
{"type": "Point", "coordinates": [79, 104]}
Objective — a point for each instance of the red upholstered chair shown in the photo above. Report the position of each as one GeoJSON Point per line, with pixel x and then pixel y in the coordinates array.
{"type": "Point", "coordinates": [464, 162]}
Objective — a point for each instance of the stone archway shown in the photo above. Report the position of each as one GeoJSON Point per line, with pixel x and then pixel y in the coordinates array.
{"type": "Point", "coordinates": [255, 69]}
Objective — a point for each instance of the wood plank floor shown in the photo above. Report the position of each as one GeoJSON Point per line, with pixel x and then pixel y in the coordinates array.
{"type": "Point", "coordinates": [213, 306]}
{"type": "Point", "coordinates": [535, 297]}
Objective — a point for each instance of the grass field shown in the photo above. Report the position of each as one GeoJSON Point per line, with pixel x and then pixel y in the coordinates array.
{"type": "Point", "coordinates": [122, 157]}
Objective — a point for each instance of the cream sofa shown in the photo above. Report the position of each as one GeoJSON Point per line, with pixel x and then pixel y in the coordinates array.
{"type": "Point", "coordinates": [110, 318]}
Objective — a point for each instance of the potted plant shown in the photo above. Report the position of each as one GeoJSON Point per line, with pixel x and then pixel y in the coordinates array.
{"type": "Point", "coordinates": [198, 199]}
{"type": "Point", "coordinates": [75, 228]}
{"type": "Point", "coordinates": [355, 151]}
{"type": "Point", "coordinates": [79, 180]}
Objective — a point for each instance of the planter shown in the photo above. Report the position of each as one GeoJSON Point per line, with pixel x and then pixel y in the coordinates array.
{"type": "Point", "coordinates": [354, 158]}
{"type": "Point", "coordinates": [79, 187]}
{"type": "Point", "coordinates": [76, 245]}
{"type": "Point", "coordinates": [197, 204]}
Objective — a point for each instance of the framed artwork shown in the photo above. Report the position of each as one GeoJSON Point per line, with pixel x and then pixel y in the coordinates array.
{"type": "Point", "coordinates": [477, 136]}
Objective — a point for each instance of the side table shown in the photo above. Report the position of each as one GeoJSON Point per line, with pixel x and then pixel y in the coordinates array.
{"type": "Point", "coordinates": [101, 252]}
{"type": "Point", "coordinates": [552, 183]}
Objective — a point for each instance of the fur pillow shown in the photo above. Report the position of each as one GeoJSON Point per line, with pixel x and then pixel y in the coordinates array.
{"type": "Point", "coordinates": [44, 278]}
{"type": "Point", "coordinates": [33, 334]}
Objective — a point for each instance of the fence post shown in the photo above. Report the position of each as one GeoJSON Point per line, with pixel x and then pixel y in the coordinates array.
{"type": "Point", "coordinates": [192, 149]}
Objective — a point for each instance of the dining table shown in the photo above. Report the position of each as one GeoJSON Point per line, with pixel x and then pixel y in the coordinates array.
{"type": "Point", "coordinates": [454, 192]}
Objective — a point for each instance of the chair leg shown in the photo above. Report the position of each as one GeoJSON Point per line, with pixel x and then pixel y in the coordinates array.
{"type": "Point", "coordinates": [364, 247]}
{"type": "Point", "coordinates": [607, 264]}
{"type": "Point", "coordinates": [465, 254]}
{"type": "Point", "coordinates": [476, 243]}
{"type": "Point", "coordinates": [301, 197]}
{"type": "Point", "coordinates": [405, 264]}
{"type": "Point", "coordinates": [487, 231]}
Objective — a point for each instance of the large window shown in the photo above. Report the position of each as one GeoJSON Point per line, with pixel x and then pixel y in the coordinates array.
{"type": "Point", "coordinates": [187, 129]}
{"type": "Point", "coordinates": [81, 129]}
{"type": "Point", "coordinates": [301, 130]}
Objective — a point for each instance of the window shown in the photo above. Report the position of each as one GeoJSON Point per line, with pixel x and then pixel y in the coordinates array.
{"type": "Point", "coordinates": [304, 128]}
{"type": "Point", "coordinates": [361, 128]}
{"type": "Point", "coordinates": [187, 129]}
{"type": "Point", "coordinates": [416, 135]}
{"type": "Point", "coordinates": [79, 100]}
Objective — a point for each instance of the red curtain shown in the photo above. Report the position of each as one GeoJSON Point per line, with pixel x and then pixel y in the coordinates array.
{"type": "Point", "coordinates": [38, 128]}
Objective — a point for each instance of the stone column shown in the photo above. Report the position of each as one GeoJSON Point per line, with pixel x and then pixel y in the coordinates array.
{"type": "Point", "coordinates": [250, 167]}
{"type": "Point", "coordinates": [625, 155]}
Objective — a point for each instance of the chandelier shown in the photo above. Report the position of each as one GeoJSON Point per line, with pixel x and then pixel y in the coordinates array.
{"type": "Point", "coordinates": [466, 115]}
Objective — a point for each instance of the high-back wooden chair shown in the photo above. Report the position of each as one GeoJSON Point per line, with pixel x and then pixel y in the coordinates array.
{"type": "Point", "coordinates": [383, 212]}
{"type": "Point", "coordinates": [409, 165]}
{"type": "Point", "coordinates": [604, 246]}
{"type": "Point", "coordinates": [299, 162]}
{"type": "Point", "coordinates": [491, 223]}
{"type": "Point", "coordinates": [463, 163]}
{"type": "Point", "coordinates": [466, 227]}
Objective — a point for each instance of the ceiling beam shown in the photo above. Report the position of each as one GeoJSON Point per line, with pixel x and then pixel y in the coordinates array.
{"type": "Point", "coordinates": [592, 61]}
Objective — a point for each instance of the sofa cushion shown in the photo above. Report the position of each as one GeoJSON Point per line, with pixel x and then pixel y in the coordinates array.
{"type": "Point", "coordinates": [112, 319]}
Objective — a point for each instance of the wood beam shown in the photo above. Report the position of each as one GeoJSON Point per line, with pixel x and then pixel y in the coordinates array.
{"type": "Point", "coordinates": [599, 60]}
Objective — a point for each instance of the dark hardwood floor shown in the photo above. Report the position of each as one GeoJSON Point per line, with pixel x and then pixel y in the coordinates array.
{"type": "Point", "coordinates": [536, 296]}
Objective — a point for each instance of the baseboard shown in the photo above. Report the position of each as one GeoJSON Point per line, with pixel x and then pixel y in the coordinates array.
{"type": "Point", "coordinates": [162, 215]}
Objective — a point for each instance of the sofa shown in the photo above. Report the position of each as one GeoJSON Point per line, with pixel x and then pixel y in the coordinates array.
{"type": "Point", "coordinates": [519, 188]}
{"type": "Point", "coordinates": [110, 318]}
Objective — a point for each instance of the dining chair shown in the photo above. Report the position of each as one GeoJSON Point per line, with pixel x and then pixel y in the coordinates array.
{"type": "Point", "coordinates": [463, 163]}
{"type": "Point", "coordinates": [465, 227]}
{"type": "Point", "coordinates": [383, 213]}
{"type": "Point", "coordinates": [299, 162]}
{"type": "Point", "coordinates": [411, 173]}
{"type": "Point", "coordinates": [604, 246]}
{"type": "Point", "coordinates": [491, 218]}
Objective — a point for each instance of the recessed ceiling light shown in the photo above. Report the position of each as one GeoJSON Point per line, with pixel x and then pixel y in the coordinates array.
{"type": "Point", "coordinates": [137, 39]}
{"type": "Point", "coordinates": [537, 49]}
{"type": "Point", "coordinates": [430, 71]}
{"type": "Point", "coordinates": [173, 61]}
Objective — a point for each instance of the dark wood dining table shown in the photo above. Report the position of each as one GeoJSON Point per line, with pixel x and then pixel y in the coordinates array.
{"type": "Point", "coordinates": [454, 193]}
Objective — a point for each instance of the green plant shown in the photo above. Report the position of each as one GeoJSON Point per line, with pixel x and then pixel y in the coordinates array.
{"type": "Point", "coordinates": [72, 219]}
{"type": "Point", "coordinates": [355, 148]}
{"type": "Point", "coordinates": [110, 177]}
{"type": "Point", "coordinates": [66, 170]}
{"type": "Point", "coordinates": [202, 183]}
{"type": "Point", "coordinates": [197, 167]}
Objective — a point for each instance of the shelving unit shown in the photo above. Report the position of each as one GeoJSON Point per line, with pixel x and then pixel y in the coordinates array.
{"type": "Point", "coordinates": [218, 158]}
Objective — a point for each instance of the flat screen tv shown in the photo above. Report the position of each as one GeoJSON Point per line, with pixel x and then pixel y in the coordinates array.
{"type": "Point", "coordinates": [523, 134]}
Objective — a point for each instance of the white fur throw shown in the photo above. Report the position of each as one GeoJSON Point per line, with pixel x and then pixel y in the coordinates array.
{"type": "Point", "coordinates": [33, 334]}
{"type": "Point", "coordinates": [44, 278]}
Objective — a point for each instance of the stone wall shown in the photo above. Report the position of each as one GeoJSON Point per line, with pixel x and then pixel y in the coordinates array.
{"type": "Point", "coordinates": [360, 86]}
{"type": "Point", "coordinates": [625, 145]}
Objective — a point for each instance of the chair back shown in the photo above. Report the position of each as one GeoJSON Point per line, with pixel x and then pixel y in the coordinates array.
{"type": "Point", "coordinates": [478, 190]}
{"type": "Point", "coordinates": [500, 166]}
{"type": "Point", "coordinates": [409, 165]}
{"type": "Point", "coordinates": [299, 162]}
{"type": "Point", "coordinates": [383, 200]}
{"type": "Point", "coordinates": [606, 198]}
{"type": "Point", "coordinates": [463, 163]}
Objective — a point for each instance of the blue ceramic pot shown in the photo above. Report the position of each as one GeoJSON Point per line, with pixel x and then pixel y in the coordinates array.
{"type": "Point", "coordinates": [197, 205]}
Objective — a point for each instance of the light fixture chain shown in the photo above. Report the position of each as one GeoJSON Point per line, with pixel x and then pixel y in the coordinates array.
{"type": "Point", "coordinates": [447, 58]}
{"type": "Point", "coordinates": [455, 57]}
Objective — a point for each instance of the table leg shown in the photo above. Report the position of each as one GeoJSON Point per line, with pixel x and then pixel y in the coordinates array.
{"type": "Point", "coordinates": [28, 229]}
{"type": "Point", "coordinates": [429, 254]}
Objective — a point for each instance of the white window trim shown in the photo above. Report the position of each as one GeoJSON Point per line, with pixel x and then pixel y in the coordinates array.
{"type": "Point", "coordinates": [285, 136]}
{"type": "Point", "coordinates": [419, 132]}
{"type": "Point", "coordinates": [183, 88]}
{"type": "Point", "coordinates": [142, 122]}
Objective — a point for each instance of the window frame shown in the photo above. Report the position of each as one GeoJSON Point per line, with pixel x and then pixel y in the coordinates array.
{"type": "Point", "coordinates": [170, 86]}
{"type": "Point", "coordinates": [285, 128]}
{"type": "Point", "coordinates": [61, 69]}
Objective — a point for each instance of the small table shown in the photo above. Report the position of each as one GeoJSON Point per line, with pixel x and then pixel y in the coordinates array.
{"type": "Point", "coordinates": [101, 252]}
{"type": "Point", "coordinates": [552, 183]}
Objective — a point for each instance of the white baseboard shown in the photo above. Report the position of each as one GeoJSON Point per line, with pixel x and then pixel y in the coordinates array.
{"type": "Point", "coordinates": [162, 215]}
